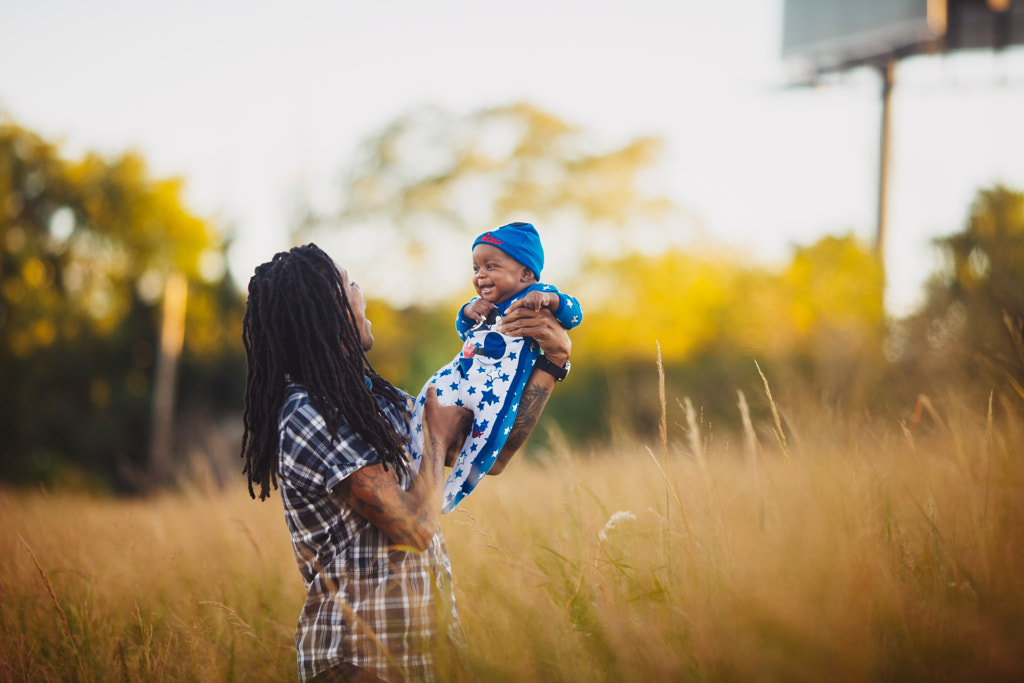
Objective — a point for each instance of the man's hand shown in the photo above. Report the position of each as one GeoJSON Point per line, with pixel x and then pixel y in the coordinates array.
{"type": "Point", "coordinates": [410, 517]}
{"type": "Point", "coordinates": [542, 327]}
{"type": "Point", "coordinates": [535, 300]}
{"type": "Point", "coordinates": [444, 427]}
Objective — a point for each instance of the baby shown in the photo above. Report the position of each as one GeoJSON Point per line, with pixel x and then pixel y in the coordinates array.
{"type": "Point", "coordinates": [489, 374]}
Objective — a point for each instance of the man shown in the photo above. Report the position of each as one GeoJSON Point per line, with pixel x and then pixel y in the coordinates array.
{"type": "Point", "coordinates": [333, 433]}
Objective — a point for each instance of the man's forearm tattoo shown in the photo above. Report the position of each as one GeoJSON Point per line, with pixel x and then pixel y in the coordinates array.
{"type": "Point", "coordinates": [368, 494]}
{"type": "Point", "coordinates": [531, 405]}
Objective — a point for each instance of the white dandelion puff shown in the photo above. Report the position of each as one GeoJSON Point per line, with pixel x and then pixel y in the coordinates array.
{"type": "Point", "coordinates": [613, 521]}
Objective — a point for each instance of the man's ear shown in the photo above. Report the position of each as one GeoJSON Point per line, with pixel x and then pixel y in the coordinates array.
{"type": "Point", "coordinates": [526, 275]}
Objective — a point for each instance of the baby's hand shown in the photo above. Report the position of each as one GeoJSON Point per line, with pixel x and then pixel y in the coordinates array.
{"type": "Point", "coordinates": [477, 309]}
{"type": "Point", "coordinates": [535, 301]}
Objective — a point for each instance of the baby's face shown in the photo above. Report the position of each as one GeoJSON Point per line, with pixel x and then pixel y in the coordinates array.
{"type": "Point", "coordinates": [496, 275]}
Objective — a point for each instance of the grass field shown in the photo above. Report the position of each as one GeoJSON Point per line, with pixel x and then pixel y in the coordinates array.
{"type": "Point", "coordinates": [847, 548]}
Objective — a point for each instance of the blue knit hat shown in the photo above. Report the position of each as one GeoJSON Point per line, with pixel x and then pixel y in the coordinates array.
{"type": "Point", "coordinates": [520, 241]}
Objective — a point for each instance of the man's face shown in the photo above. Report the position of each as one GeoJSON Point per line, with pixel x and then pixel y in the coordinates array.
{"type": "Point", "coordinates": [358, 304]}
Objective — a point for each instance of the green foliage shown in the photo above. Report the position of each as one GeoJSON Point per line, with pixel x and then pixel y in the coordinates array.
{"type": "Point", "coordinates": [987, 256]}
{"type": "Point", "coordinates": [817, 322]}
{"type": "Point", "coordinates": [965, 335]}
{"type": "Point", "coordinates": [836, 290]}
{"type": "Point", "coordinates": [516, 158]}
{"type": "Point", "coordinates": [85, 248]}
{"type": "Point", "coordinates": [430, 181]}
{"type": "Point", "coordinates": [411, 343]}
{"type": "Point", "coordinates": [676, 299]}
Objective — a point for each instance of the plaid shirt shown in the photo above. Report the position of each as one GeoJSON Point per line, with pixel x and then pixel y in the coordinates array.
{"type": "Point", "coordinates": [367, 604]}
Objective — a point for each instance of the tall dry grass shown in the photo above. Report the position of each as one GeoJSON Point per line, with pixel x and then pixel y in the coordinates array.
{"type": "Point", "coordinates": [857, 549]}
{"type": "Point", "coordinates": [186, 587]}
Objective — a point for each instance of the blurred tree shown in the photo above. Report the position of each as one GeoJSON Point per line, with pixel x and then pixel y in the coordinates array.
{"type": "Point", "coordinates": [987, 265]}
{"type": "Point", "coordinates": [836, 292]}
{"type": "Point", "coordinates": [826, 302]}
{"type": "Point", "coordinates": [411, 343]}
{"type": "Point", "coordinates": [819, 320]}
{"type": "Point", "coordinates": [85, 250]}
{"type": "Point", "coordinates": [961, 333]}
{"type": "Point", "coordinates": [676, 299]}
{"type": "Point", "coordinates": [430, 181]}
{"type": "Point", "coordinates": [419, 165]}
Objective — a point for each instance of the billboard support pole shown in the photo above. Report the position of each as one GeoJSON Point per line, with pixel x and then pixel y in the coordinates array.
{"type": "Point", "coordinates": [886, 71]}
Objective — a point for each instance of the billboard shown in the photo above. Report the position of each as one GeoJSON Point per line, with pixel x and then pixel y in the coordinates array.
{"type": "Point", "coordinates": [825, 35]}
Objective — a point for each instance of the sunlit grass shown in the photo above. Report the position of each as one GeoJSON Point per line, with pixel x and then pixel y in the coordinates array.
{"type": "Point", "coordinates": [881, 550]}
{"type": "Point", "coordinates": [876, 554]}
{"type": "Point", "coordinates": [190, 587]}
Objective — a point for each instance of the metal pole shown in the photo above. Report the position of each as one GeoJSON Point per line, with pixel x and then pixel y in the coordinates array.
{"type": "Point", "coordinates": [887, 71]}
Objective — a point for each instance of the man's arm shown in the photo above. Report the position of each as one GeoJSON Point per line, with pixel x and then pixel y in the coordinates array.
{"type": "Point", "coordinates": [531, 405]}
{"type": "Point", "coordinates": [410, 518]}
{"type": "Point", "coordinates": [554, 342]}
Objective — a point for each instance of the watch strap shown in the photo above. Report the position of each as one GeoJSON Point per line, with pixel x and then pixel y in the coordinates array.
{"type": "Point", "coordinates": [559, 372]}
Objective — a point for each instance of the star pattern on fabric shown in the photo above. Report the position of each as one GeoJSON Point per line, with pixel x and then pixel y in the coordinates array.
{"type": "Point", "coordinates": [488, 386]}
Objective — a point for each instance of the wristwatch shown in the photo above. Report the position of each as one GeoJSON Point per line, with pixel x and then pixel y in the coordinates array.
{"type": "Point", "coordinates": [559, 372]}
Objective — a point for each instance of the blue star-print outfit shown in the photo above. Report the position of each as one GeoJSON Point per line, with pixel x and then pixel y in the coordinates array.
{"type": "Point", "coordinates": [488, 377]}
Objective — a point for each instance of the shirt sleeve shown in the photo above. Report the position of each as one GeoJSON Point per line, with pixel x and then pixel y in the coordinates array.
{"type": "Point", "coordinates": [314, 461]}
{"type": "Point", "coordinates": [569, 313]}
{"type": "Point", "coordinates": [463, 323]}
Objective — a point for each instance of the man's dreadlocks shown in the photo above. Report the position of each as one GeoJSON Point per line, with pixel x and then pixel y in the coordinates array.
{"type": "Point", "coordinates": [299, 324]}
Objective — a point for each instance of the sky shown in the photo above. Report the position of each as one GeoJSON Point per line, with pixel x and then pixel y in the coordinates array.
{"type": "Point", "coordinates": [248, 101]}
